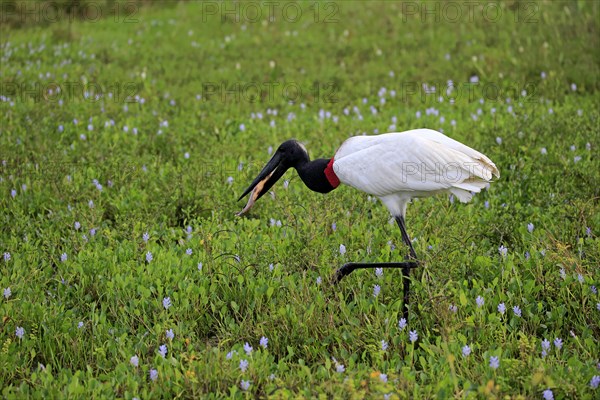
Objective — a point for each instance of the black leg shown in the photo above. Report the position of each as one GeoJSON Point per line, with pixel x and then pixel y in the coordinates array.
{"type": "Point", "coordinates": [405, 238]}
{"type": "Point", "coordinates": [411, 262]}
{"type": "Point", "coordinates": [405, 270]}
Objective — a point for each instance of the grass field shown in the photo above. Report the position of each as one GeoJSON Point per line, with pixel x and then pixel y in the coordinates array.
{"type": "Point", "coordinates": [126, 137]}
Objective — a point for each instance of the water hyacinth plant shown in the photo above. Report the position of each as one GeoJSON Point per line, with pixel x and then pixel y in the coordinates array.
{"type": "Point", "coordinates": [127, 135]}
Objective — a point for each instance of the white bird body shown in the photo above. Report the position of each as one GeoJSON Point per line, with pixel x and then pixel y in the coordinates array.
{"type": "Point", "coordinates": [399, 166]}
{"type": "Point", "coordinates": [395, 167]}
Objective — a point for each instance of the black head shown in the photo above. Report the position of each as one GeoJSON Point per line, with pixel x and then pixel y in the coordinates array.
{"type": "Point", "coordinates": [289, 154]}
{"type": "Point", "coordinates": [292, 152]}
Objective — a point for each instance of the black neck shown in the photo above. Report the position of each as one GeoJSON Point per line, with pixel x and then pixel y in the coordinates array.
{"type": "Point", "coordinates": [312, 174]}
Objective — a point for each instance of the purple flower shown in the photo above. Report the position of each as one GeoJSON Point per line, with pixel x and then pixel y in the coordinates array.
{"type": "Point", "coordinates": [530, 227]}
{"type": "Point", "coordinates": [170, 334]}
{"type": "Point", "coordinates": [229, 355]}
{"type": "Point", "coordinates": [243, 365]}
{"type": "Point", "coordinates": [247, 348]}
{"type": "Point", "coordinates": [162, 350]}
{"type": "Point", "coordinates": [80, 324]}
{"type": "Point", "coordinates": [480, 301]}
{"type": "Point", "coordinates": [517, 311]}
{"type": "Point", "coordinates": [20, 332]}
{"type": "Point", "coordinates": [6, 256]}
{"type": "Point", "coordinates": [563, 273]}
{"type": "Point", "coordinates": [545, 344]}
{"type": "Point", "coordinates": [384, 345]}
{"type": "Point", "coordinates": [453, 308]}
{"type": "Point", "coordinates": [145, 236]}
{"type": "Point", "coordinates": [548, 395]}
{"type": "Point", "coordinates": [501, 308]}
{"type": "Point", "coordinates": [379, 272]}
{"type": "Point", "coordinates": [340, 368]}
{"type": "Point", "coordinates": [166, 303]}
{"type": "Point", "coordinates": [376, 290]}
{"type": "Point", "coordinates": [558, 343]}
{"type": "Point", "coordinates": [134, 360]}
{"type": "Point", "coordinates": [466, 350]}
{"type": "Point", "coordinates": [413, 336]}
{"type": "Point", "coordinates": [595, 382]}
{"type": "Point", "coordinates": [188, 252]}
{"type": "Point", "coordinates": [77, 225]}
{"type": "Point", "coordinates": [402, 323]}
{"type": "Point", "coordinates": [494, 362]}
{"type": "Point", "coordinates": [319, 280]}
{"type": "Point", "coordinates": [7, 293]}
{"type": "Point", "coordinates": [580, 278]}
{"type": "Point", "coordinates": [199, 267]}
{"type": "Point", "coordinates": [149, 256]}
{"type": "Point", "coordinates": [63, 257]}
{"type": "Point", "coordinates": [502, 250]}
{"type": "Point", "coordinates": [153, 374]}
{"type": "Point", "coordinates": [264, 342]}
{"type": "Point", "coordinates": [245, 385]}
{"type": "Point", "coordinates": [342, 249]}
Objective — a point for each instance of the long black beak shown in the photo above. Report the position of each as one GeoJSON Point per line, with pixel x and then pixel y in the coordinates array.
{"type": "Point", "coordinates": [264, 181]}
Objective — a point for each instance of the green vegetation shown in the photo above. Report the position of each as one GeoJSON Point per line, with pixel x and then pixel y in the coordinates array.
{"type": "Point", "coordinates": [156, 129]}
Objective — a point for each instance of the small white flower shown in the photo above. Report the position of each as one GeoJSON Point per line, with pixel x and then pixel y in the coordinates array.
{"type": "Point", "coordinates": [134, 360]}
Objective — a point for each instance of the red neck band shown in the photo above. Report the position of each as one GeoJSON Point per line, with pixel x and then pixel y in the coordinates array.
{"type": "Point", "coordinates": [330, 175]}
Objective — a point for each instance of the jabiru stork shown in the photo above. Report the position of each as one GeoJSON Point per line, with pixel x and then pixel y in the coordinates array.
{"type": "Point", "coordinates": [395, 167]}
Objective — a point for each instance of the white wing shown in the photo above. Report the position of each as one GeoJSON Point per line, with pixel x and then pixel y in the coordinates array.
{"type": "Point", "coordinates": [416, 163]}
